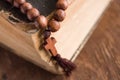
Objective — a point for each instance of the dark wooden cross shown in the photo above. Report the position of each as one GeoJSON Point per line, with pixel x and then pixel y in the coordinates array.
{"type": "Point", "coordinates": [50, 45]}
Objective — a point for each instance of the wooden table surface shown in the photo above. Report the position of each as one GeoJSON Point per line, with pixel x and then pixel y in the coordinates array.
{"type": "Point", "coordinates": [99, 59]}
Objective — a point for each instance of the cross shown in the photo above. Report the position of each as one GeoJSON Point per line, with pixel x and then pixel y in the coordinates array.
{"type": "Point", "coordinates": [50, 45]}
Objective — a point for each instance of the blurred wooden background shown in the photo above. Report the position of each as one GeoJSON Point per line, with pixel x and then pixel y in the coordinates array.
{"type": "Point", "coordinates": [99, 59]}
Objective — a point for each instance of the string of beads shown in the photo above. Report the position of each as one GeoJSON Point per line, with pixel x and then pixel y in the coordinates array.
{"type": "Point", "coordinates": [52, 25]}
{"type": "Point", "coordinates": [34, 15]}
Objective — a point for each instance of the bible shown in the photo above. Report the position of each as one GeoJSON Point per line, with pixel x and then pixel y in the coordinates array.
{"type": "Point", "coordinates": [20, 36]}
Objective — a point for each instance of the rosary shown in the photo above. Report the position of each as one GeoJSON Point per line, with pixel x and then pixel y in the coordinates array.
{"type": "Point", "coordinates": [48, 26]}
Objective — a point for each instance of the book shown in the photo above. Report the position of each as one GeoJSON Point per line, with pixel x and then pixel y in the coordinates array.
{"type": "Point", "coordinates": [20, 37]}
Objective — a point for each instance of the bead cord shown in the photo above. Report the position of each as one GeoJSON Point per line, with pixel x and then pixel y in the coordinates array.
{"type": "Point", "coordinates": [33, 13]}
{"type": "Point", "coordinates": [53, 25]}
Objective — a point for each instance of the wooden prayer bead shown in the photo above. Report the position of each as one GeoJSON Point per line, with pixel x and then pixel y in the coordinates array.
{"type": "Point", "coordinates": [62, 4]}
{"type": "Point", "coordinates": [47, 34]}
{"type": "Point", "coordinates": [60, 15]}
{"type": "Point", "coordinates": [25, 7]}
{"type": "Point", "coordinates": [42, 21]}
{"type": "Point", "coordinates": [32, 14]}
{"type": "Point", "coordinates": [54, 25]}
{"type": "Point", "coordinates": [17, 3]}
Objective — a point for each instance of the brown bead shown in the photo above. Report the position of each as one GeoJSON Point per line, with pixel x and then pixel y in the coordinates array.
{"type": "Point", "coordinates": [17, 3]}
{"type": "Point", "coordinates": [60, 15]}
{"type": "Point", "coordinates": [47, 34]}
{"type": "Point", "coordinates": [62, 4]}
{"type": "Point", "coordinates": [54, 25]}
{"type": "Point", "coordinates": [42, 21]}
{"type": "Point", "coordinates": [32, 14]}
{"type": "Point", "coordinates": [25, 7]}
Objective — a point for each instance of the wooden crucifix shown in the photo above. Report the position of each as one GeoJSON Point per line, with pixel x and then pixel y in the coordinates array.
{"type": "Point", "coordinates": [50, 45]}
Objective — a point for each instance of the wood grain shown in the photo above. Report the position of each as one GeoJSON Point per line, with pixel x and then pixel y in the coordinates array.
{"type": "Point", "coordinates": [29, 46]}
{"type": "Point", "coordinates": [99, 60]}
